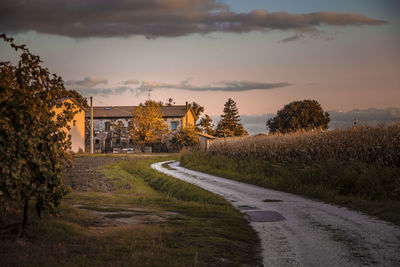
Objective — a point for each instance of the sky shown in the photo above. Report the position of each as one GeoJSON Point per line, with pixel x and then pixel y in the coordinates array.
{"type": "Point", "coordinates": [261, 53]}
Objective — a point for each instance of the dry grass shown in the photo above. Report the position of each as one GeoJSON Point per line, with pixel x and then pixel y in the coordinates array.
{"type": "Point", "coordinates": [363, 144]}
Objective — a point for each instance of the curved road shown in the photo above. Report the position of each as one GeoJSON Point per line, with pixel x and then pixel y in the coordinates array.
{"type": "Point", "coordinates": [296, 231]}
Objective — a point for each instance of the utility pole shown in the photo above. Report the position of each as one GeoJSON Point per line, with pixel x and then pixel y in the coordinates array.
{"type": "Point", "coordinates": [91, 125]}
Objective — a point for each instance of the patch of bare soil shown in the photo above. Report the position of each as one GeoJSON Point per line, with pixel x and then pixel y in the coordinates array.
{"type": "Point", "coordinates": [85, 175]}
{"type": "Point", "coordinates": [115, 217]}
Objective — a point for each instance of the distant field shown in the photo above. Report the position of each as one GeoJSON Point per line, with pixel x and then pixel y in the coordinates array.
{"type": "Point", "coordinates": [358, 168]}
{"type": "Point", "coordinates": [122, 213]}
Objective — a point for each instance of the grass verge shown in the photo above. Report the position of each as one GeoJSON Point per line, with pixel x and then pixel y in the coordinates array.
{"type": "Point", "coordinates": [370, 188]}
{"type": "Point", "coordinates": [148, 219]}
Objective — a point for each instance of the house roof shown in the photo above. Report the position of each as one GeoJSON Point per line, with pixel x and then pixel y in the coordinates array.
{"type": "Point", "coordinates": [205, 135]}
{"type": "Point", "coordinates": [127, 111]}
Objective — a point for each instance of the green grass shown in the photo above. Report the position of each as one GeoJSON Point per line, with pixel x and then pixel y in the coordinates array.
{"type": "Point", "coordinates": [370, 188]}
{"type": "Point", "coordinates": [197, 228]}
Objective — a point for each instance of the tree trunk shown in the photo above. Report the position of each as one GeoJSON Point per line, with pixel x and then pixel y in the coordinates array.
{"type": "Point", "coordinates": [25, 220]}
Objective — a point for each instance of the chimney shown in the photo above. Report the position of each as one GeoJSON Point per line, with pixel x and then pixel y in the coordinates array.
{"type": "Point", "coordinates": [186, 105]}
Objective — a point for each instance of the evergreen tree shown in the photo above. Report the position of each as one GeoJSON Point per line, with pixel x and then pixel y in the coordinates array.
{"type": "Point", "coordinates": [229, 124]}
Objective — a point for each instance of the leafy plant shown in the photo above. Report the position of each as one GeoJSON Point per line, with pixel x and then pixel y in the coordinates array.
{"type": "Point", "coordinates": [147, 124]}
{"type": "Point", "coordinates": [206, 125]}
{"type": "Point", "coordinates": [186, 137]}
{"type": "Point", "coordinates": [33, 141]}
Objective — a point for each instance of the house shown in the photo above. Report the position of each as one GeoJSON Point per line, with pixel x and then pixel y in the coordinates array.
{"type": "Point", "coordinates": [77, 126]}
{"type": "Point", "coordinates": [205, 140]}
{"type": "Point", "coordinates": [110, 124]}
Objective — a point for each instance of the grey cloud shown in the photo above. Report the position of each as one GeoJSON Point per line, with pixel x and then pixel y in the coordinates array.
{"type": "Point", "coordinates": [133, 81]}
{"type": "Point", "coordinates": [86, 82]}
{"type": "Point", "coordinates": [104, 91]}
{"type": "Point", "coordinates": [156, 18]}
{"type": "Point", "coordinates": [224, 86]}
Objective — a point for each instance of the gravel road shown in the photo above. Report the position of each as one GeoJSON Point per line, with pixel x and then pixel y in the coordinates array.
{"type": "Point", "coordinates": [296, 231]}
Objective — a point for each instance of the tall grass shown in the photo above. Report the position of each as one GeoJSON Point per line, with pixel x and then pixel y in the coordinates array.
{"type": "Point", "coordinates": [363, 144]}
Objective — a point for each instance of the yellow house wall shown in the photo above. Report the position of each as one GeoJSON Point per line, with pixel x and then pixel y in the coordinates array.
{"type": "Point", "coordinates": [77, 131]}
{"type": "Point", "coordinates": [188, 119]}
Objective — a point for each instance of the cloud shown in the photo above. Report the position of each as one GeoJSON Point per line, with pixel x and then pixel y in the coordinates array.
{"type": "Point", "coordinates": [104, 91]}
{"type": "Point", "coordinates": [86, 82]}
{"type": "Point", "coordinates": [133, 81]}
{"type": "Point", "coordinates": [158, 18]}
{"type": "Point", "coordinates": [223, 86]}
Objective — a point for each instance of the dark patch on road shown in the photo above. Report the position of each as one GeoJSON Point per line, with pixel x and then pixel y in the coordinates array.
{"type": "Point", "coordinates": [264, 216]}
{"type": "Point", "coordinates": [245, 207]}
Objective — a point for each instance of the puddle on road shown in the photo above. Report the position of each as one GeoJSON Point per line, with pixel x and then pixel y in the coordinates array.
{"type": "Point", "coordinates": [264, 216]}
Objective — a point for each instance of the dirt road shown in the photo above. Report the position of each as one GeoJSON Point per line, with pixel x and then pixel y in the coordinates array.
{"type": "Point", "coordinates": [295, 231]}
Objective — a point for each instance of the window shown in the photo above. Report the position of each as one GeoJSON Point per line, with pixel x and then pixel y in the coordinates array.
{"type": "Point", "coordinates": [174, 125]}
{"type": "Point", "coordinates": [74, 123]}
{"type": "Point", "coordinates": [107, 126]}
{"type": "Point", "coordinates": [118, 141]}
{"type": "Point", "coordinates": [97, 141]}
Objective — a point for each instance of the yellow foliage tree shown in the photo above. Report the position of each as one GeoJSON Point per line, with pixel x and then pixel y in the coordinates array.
{"type": "Point", "coordinates": [147, 125]}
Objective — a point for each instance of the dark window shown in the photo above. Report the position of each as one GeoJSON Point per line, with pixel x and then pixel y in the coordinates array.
{"type": "Point", "coordinates": [118, 141]}
{"type": "Point", "coordinates": [174, 125]}
{"type": "Point", "coordinates": [107, 125]}
{"type": "Point", "coordinates": [97, 141]}
{"type": "Point", "coordinates": [74, 123]}
{"type": "Point", "coordinates": [130, 141]}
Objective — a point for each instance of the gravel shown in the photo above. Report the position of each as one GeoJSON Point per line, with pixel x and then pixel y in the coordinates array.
{"type": "Point", "coordinates": [296, 231]}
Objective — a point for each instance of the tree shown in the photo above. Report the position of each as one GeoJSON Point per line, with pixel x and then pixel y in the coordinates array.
{"type": "Point", "coordinates": [197, 110]}
{"type": "Point", "coordinates": [33, 141]}
{"type": "Point", "coordinates": [229, 124]}
{"type": "Point", "coordinates": [147, 124]}
{"type": "Point", "coordinates": [119, 128]}
{"type": "Point", "coordinates": [186, 137]}
{"type": "Point", "coordinates": [206, 125]}
{"type": "Point", "coordinates": [170, 102]}
{"type": "Point", "coordinates": [78, 97]}
{"type": "Point", "coordinates": [304, 115]}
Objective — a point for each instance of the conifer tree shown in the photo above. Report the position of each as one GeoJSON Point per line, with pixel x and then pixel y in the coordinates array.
{"type": "Point", "coordinates": [229, 124]}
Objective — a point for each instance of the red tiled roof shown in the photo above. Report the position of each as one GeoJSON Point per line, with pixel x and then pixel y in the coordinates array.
{"type": "Point", "coordinates": [126, 111]}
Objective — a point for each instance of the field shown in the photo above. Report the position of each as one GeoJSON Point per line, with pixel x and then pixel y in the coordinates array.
{"type": "Point", "coordinates": [122, 213]}
{"type": "Point", "coordinates": [358, 168]}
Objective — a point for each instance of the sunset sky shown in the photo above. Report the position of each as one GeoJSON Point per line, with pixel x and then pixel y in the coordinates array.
{"type": "Point", "coordinates": [261, 53]}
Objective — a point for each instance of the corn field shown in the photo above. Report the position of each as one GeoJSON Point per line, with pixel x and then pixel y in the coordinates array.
{"type": "Point", "coordinates": [367, 144]}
